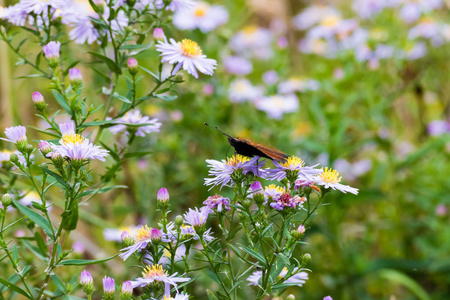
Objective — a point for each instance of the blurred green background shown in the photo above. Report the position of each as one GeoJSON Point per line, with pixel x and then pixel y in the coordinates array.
{"type": "Point", "coordinates": [392, 241]}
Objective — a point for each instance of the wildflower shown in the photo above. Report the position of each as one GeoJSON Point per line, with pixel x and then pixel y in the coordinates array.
{"type": "Point", "coordinates": [202, 16]}
{"type": "Point", "coordinates": [109, 287]}
{"type": "Point", "coordinates": [126, 291]}
{"type": "Point", "coordinates": [427, 29]}
{"type": "Point", "coordinates": [76, 147]}
{"type": "Point", "coordinates": [242, 90]}
{"type": "Point", "coordinates": [86, 282]}
{"type": "Point", "coordinates": [177, 5]}
{"type": "Point", "coordinates": [218, 203]}
{"type": "Point", "coordinates": [78, 247]}
{"type": "Point", "coordinates": [237, 65]}
{"type": "Point", "coordinates": [17, 135]}
{"type": "Point", "coordinates": [297, 85]}
{"type": "Point", "coordinates": [115, 234]}
{"type": "Point", "coordinates": [142, 238]}
{"type": "Point", "coordinates": [270, 77]}
{"type": "Point", "coordinates": [276, 106]}
{"type": "Point", "coordinates": [253, 41]}
{"type": "Point", "coordinates": [414, 51]}
{"type": "Point", "coordinates": [441, 210]}
{"type": "Point", "coordinates": [233, 167]}
{"type": "Point", "coordinates": [314, 14]}
{"type": "Point", "coordinates": [197, 218]}
{"type": "Point", "coordinates": [330, 178]}
{"type": "Point", "coordinates": [181, 296]}
{"type": "Point", "coordinates": [368, 8]}
{"type": "Point", "coordinates": [273, 192]}
{"type": "Point", "coordinates": [154, 275]}
{"type": "Point", "coordinates": [51, 52]}
{"type": "Point", "coordinates": [165, 259]}
{"type": "Point", "coordinates": [186, 54]}
{"type": "Point", "coordinates": [39, 101]}
{"type": "Point", "coordinates": [132, 118]}
{"type": "Point", "coordinates": [158, 34]}
{"type": "Point", "coordinates": [132, 65]}
{"type": "Point", "coordinates": [45, 148]}
{"type": "Point", "coordinates": [286, 200]}
{"type": "Point", "coordinates": [438, 127]}
{"type": "Point", "coordinates": [412, 10]}
{"type": "Point", "coordinates": [293, 169]}
{"type": "Point", "coordinates": [15, 14]}
{"type": "Point", "coordinates": [297, 277]}
{"type": "Point", "coordinates": [327, 298]}
{"type": "Point", "coordinates": [163, 195]}
{"type": "Point", "coordinates": [75, 77]}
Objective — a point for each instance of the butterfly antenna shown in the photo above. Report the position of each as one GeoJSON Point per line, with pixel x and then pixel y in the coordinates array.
{"type": "Point", "coordinates": [223, 132]}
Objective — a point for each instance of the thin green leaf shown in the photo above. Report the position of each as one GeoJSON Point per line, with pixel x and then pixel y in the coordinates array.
{"type": "Point", "coordinates": [62, 101]}
{"type": "Point", "coordinates": [14, 288]}
{"type": "Point", "coordinates": [84, 262]}
{"type": "Point", "coordinates": [36, 218]}
{"type": "Point", "coordinates": [111, 64]}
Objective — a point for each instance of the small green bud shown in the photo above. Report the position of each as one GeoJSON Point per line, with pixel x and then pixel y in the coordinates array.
{"type": "Point", "coordinates": [290, 297]}
{"type": "Point", "coordinates": [6, 200]}
{"type": "Point", "coordinates": [179, 220]}
{"type": "Point", "coordinates": [29, 148]}
{"type": "Point", "coordinates": [14, 158]}
{"type": "Point", "coordinates": [246, 204]}
{"type": "Point", "coordinates": [306, 258]}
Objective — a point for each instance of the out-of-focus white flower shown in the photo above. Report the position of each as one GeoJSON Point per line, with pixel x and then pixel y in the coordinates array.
{"type": "Point", "coordinates": [237, 65]}
{"type": "Point", "coordinates": [276, 106]}
{"type": "Point", "coordinates": [242, 90]}
{"type": "Point", "coordinates": [202, 16]}
{"type": "Point", "coordinates": [253, 41]}
{"type": "Point", "coordinates": [293, 85]}
{"type": "Point", "coordinates": [135, 118]}
{"type": "Point", "coordinates": [313, 15]}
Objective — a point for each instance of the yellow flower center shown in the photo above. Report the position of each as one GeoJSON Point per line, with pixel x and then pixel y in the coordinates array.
{"type": "Point", "coordinates": [283, 273]}
{"type": "Point", "coordinates": [251, 29]}
{"type": "Point", "coordinates": [277, 188]}
{"type": "Point", "coordinates": [330, 176]}
{"type": "Point", "coordinates": [293, 161]}
{"type": "Point", "coordinates": [154, 271]}
{"type": "Point", "coordinates": [72, 138]}
{"type": "Point", "coordinates": [200, 10]}
{"type": "Point", "coordinates": [236, 159]}
{"type": "Point", "coordinates": [330, 21]}
{"type": "Point", "coordinates": [143, 234]}
{"type": "Point", "coordinates": [190, 48]}
{"type": "Point", "coordinates": [167, 298]}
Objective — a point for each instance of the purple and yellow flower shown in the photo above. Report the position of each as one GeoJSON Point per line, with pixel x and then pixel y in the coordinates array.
{"type": "Point", "coordinates": [330, 179]}
{"type": "Point", "coordinates": [130, 121]}
{"type": "Point", "coordinates": [297, 277]}
{"type": "Point", "coordinates": [156, 274]}
{"type": "Point", "coordinates": [16, 134]}
{"type": "Point", "coordinates": [293, 168]}
{"type": "Point", "coordinates": [202, 16]}
{"type": "Point", "coordinates": [197, 218]}
{"type": "Point", "coordinates": [287, 201]}
{"type": "Point", "coordinates": [186, 54]}
{"type": "Point", "coordinates": [144, 236]}
{"type": "Point", "coordinates": [218, 203]}
{"type": "Point", "coordinates": [273, 192]}
{"type": "Point", "coordinates": [236, 165]}
{"type": "Point", "coordinates": [253, 41]}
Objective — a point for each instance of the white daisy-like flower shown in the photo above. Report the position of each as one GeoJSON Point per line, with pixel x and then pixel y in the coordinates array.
{"type": "Point", "coordinates": [222, 170]}
{"type": "Point", "coordinates": [330, 178]}
{"type": "Point", "coordinates": [313, 15]}
{"type": "Point", "coordinates": [135, 117]}
{"type": "Point", "coordinates": [115, 234]}
{"type": "Point", "coordinates": [296, 278]}
{"type": "Point", "coordinates": [293, 166]}
{"type": "Point", "coordinates": [202, 16]}
{"type": "Point", "coordinates": [157, 273]}
{"type": "Point", "coordinates": [186, 54]}
{"type": "Point", "coordinates": [75, 146]}
{"type": "Point", "coordinates": [253, 41]}
{"type": "Point", "coordinates": [298, 85]}
{"type": "Point", "coordinates": [276, 106]}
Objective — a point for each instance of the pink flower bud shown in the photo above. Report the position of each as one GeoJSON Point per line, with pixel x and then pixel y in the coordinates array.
{"type": "Point", "coordinates": [158, 34]}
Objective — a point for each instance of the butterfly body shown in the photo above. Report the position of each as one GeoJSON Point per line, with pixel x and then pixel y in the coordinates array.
{"type": "Point", "coordinates": [251, 149]}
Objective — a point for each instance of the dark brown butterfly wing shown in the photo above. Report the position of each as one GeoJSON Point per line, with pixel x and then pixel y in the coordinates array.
{"type": "Point", "coordinates": [247, 148]}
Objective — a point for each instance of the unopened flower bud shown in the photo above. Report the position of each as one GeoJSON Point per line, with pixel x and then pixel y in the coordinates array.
{"type": "Point", "coordinates": [132, 64]}
{"type": "Point", "coordinates": [51, 52]}
{"type": "Point", "coordinates": [179, 220]}
{"type": "Point", "coordinates": [14, 158]}
{"type": "Point", "coordinates": [306, 258]}
{"type": "Point", "coordinates": [126, 291]}
{"type": "Point", "coordinates": [155, 235]}
{"type": "Point", "coordinates": [6, 200]}
{"type": "Point", "coordinates": [301, 229]}
{"type": "Point", "coordinates": [127, 239]}
{"type": "Point", "coordinates": [75, 76]}
{"type": "Point", "coordinates": [327, 298]}
{"type": "Point", "coordinates": [39, 101]}
{"type": "Point", "coordinates": [87, 283]}
{"type": "Point", "coordinates": [162, 198]}
{"type": "Point", "coordinates": [158, 34]}
{"type": "Point", "coordinates": [246, 204]}
{"type": "Point", "coordinates": [109, 287]}
{"type": "Point", "coordinates": [29, 148]}
{"type": "Point", "coordinates": [258, 192]}
{"type": "Point", "coordinates": [45, 148]}
{"type": "Point", "coordinates": [57, 159]}
{"type": "Point", "coordinates": [290, 297]}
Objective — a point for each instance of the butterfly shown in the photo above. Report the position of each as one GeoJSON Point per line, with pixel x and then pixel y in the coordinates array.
{"type": "Point", "coordinates": [249, 148]}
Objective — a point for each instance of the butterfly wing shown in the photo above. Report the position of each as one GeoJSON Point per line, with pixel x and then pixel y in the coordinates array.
{"type": "Point", "coordinates": [247, 148]}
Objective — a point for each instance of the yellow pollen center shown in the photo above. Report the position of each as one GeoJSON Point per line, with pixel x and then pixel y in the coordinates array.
{"type": "Point", "coordinates": [277, 188]}
{"type": "Point", "coordinates": [293, 161]}
{"type": "Point", "coordinates": [143, 234]}
{"type": "Point", "coordinates": [236, 159]}
{"type": "Point", "coordinates": [72, 138]}
{"type": "Point", "coordinates": [190, 48]}
{"type": "Point", "coordinates": [330, 21]}
{"type": "Point", "coordinates": [248, 30]}
{"type": "Point", "coordinates": [200, 11]}
{"type": "Point", "coordinates": [167, 298]}
{"type": "Point", "coordinates": [330, 176]}
{"type": "Point", "coordinates": [154, 271]}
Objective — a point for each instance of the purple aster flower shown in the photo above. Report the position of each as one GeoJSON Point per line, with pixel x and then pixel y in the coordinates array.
{"type": "Point", "coordinates": [86, 278]}
{"type": "Point", "coordinates": [16, 134]}
{"type": "Point", "coordinates": [75, 76]}
{"type": "Point", "coordinates": [237, 164]}
{"type": "Point", "coordinates": [218, 203]}
{"type": "Point", "coordinates": [51, 50]}
{"type": "Point", "coordinates": [109, 286]}
{"type": "Point", "coordinates": [293, 167]}
{"type": "Point", "coordinates": [286, 200]}
{"type": "Point", "coordinates": [131, 120]}
{"type": "Point", "coordinates": [163, 195]}
{"type": "Point", "coordinates": [241, 90]}
{"type": "Point", "coordinates": [327, 298]}
{"type": "Point", "coordinates": [270, 77]}
{"type": "Point", "coordinates": [237, 65]}
{"type": "Point", "coordinates": [197, 218]}
{"type": "Point", "coordinates": [158, 34]}
{"type": "Point", "coordinates": [438, 127]}
{"type": "Point", "coordinates": [142, 238]}
{"type": "Point", "coordinates": [330, 178]}
{"type": "Point", "coordinates": [186, 54]}
{"type": "Point", "coordinates": [297, 277]}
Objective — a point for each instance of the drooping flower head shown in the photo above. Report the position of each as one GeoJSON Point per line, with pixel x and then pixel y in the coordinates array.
{"type": "Point", "coordinates": [293, 169]}
{"type": "Point", "coordinates": [218, 203]}
{"type": "Point", "coordinates": [135, 118]}
{"type": "Point", "coordinates": [186, 54]}
{"type": "Point", "coordinates": [233, 169]}
{"type": "Point", "coordinates": [330, 178]}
